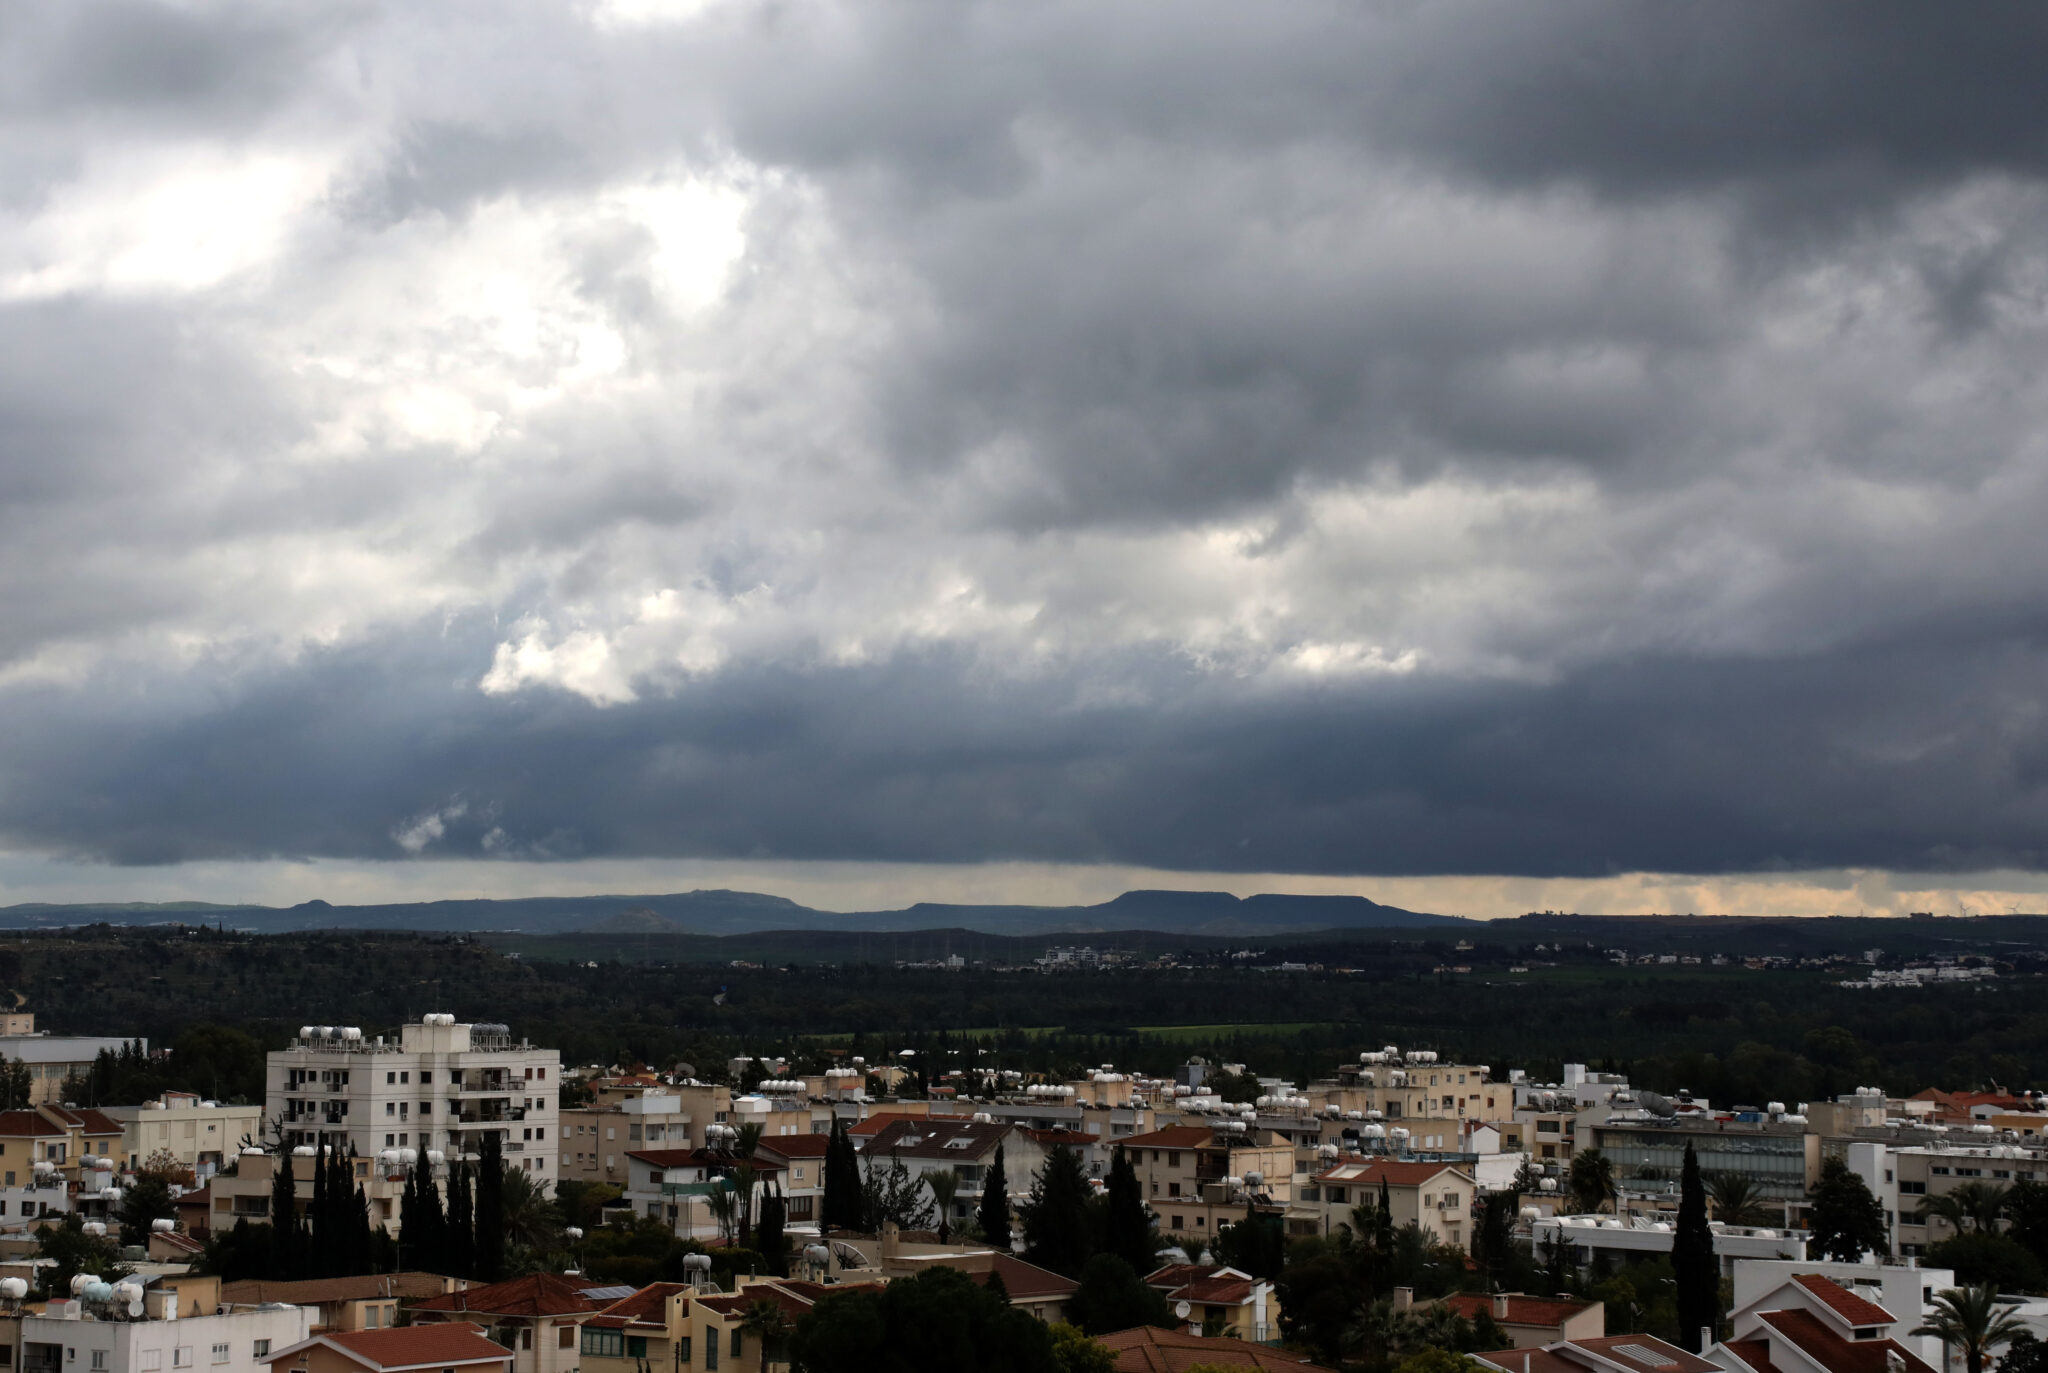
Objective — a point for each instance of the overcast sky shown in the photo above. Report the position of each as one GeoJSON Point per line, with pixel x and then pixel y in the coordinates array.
{"type": "Point", "coordinates": [1463, 453]}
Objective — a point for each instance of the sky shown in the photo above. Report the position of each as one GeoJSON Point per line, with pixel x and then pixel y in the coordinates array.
{"type": "Point", "coordinates": [1581, 456]}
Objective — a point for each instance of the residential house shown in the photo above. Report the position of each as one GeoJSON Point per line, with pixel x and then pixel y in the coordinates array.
{"type": "Point", "coordinates": [246, 1194]}
{"type": "Point", "coordinates": [1905, 1290]}
{"type": "Point", "coordinates": [1810, 1324]}
{"type": "Point", "coordinates": [52, 1140]}
{"type": "Point", "coordinates": [801, 1159]}
{"type": "Point", "coordinates": [1436, 1196]}
{"type": "Point", "coordinates": [1197, 1177]}
{"type": "Point", "coordinates": [675, 1184]}
{"type": "Point", "coordinates": [536, 1317]}
{"type": "Point", "coordinates": [54, 1060]}
{"type": "Point", "coordinates": [1532, 1322]}
{"type": "Point", "coordinates": [456, 1347]}
{"type": "Point", "coordinates": [181, 1130]}
{"type": "Point", "coordinates": [1220, 1300]}
{"type": "Point", "coordinates": [964, 1147]}
{"type": "Point", "coordinates": [371, 1301]}
{"type": "Point", "coordinates": [1036, 1291]}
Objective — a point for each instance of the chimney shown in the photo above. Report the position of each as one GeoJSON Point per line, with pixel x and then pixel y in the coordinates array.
{"type": "Point", "coordinates": [1404, 1298]}
{"type": "Point", "coordinates": [1500, 1306]}
{"type": "Point", "coordinates": [1706, 1338]}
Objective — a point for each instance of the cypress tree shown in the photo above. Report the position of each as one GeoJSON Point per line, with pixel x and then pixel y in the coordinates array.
{"type": "Point", "coordinates": [1692, 1260]}
{"type": "Point", "coordinates": [1056, 1220]}
{"type": "Point", "coordinates": [319, 1230]}
{"type": "Point", "coordinates": [841, 1205]}
{"type": "Point", "coordinates": [458, 1242]}
{"type": "Point", "coordinates": [287, 1246]}
{"type": "Point", "coordinates": [1127, 1229]}
{"type": "Point", "coordinates": [490, 1209]}
{"type": "Point", "coordinates": [768, 1234]}
{"type": "Point", "coordinates": [993, 1215]}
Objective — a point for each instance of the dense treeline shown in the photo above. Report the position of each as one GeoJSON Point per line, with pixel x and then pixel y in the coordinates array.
{"type": "Point", "coordinates": [1733, 1034]}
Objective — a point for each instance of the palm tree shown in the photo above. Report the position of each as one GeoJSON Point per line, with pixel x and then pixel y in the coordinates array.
{"type": "Point", "coordinates": [945, 1185]}
{"type": "Point", "coordinates": [1737, 1200]}
{"type": "Point", "coordinates": [769, 1325]}
{"type": "Point", "coordinates": [724, 1206]}
{"type": "Point", "coordinates": [532, 1220]}
{"type": "Point", "coordinates": [1972, 1206]}
{"type": "Point", "coordinates": [1591, 1180]}
{"type": "Point", "coordinates": [1970, 1319]}
{"type": "Point", "coordinates": [1378, 1331]}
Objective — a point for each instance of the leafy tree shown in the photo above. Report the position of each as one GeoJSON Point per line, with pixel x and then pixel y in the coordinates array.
{"type": "Point", "coordinates": [1845, 1219]}
{"type": "Point", "coordinates": [1438, 1360]}
{"type": "Point", "coordinates": [1319, 1294]}
{"type": "Point", "coordinates": [1256, 1245]}
{"type": "Point", "coordinates": [148, 1201]}
{"type": "Point", "coordinates": [1697, 1272]}
{"type": "Point", "coordinates": [1999, 1261]}
{"type": "Point", "coordinates": [1075, 1352]}
{"type": "Point", "coordinates": [1056, 1218]}
{"type": "Point", "coordinates": [1737, 1200]}
{"type": "Point", "coordinates": [2026, 1214]}
{"type": "Point", "coordinates": [582, 1203]}
{"type": "Point", "coordinates": [1591, 1180]}
{"type": "Point", "coordinates": [2024, 1354]}
{"type": "Point", "coordinates": [1971, 1320]}
{"type": "Point", "coordinates": [1126, 1224]}
{"type": "Point", "coordinates": [993, 1215]}
{"type": "Point", "coordinates": [71, 1251]}
{"type": "Point", "coordinates": [1113, 1297]}
{"type": "Point", "coordinates": [892, 1195]}
{"type": "Point", "coordinates": [935, 1322]}
{"type": "Point", "coordinates": [238, 1252]}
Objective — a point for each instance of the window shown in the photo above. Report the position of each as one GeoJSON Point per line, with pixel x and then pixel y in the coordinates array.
{"type": "Point", "coordinates": [602, 1344]}
{"type": "Point", "coordinates": [426, 1076]}
{"type": "Point", "coordinates": [152, 1360]}
{"type": "Point", "coordinates": [736, 1342]}
{"type": "Point", "coordinates": [565, 1337]}
{"type": "Point", "coordinates": [99, 1358]}
{"type": "Point", "coordinates": [390, 1109]}
{"type": "Point", "coordinates": [636, 1346]}
{"type": "Point", "coordinates": [541, 1132]}
{"type": "Point", "coordinates": [1178, 1223]}
{"type": "Point", "coordinates": [711, 1350]}
{"type": "Point", "coordinates": [263, 1349]}
{"type": "Point", "coordinates": [1172, 1189]}
{"type": "Point", "coordinates": [220, 1353]}
{"type": "Point", "coordinates": [526, 1337]}
{"type": "Point", "coordinates": [1913, 1189]}
{"type": "Point", "coordinates": [683, 1349]}
{"type": "Point", "coordinates": [1173, 1158]}
{"type": "Point", "coordinates": [391, 1079]}
{"type": "Point", "coordinates": [373, 1317]}
{"type": "Point", "coordinates": [406, 1078]}
{"type": "Point", "coordinates": [181, 1357]}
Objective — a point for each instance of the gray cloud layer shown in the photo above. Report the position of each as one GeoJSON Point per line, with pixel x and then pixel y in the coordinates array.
{"type": "Point", "coordinates": [1412, 438]}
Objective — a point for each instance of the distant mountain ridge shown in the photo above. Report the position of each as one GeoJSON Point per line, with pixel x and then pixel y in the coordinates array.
{"type": "Point", "coordinates": [717, 912]}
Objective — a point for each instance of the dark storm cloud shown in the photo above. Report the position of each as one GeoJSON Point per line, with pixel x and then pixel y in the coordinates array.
{"type": "Point", "coordinates": [1407, 438]}
{"type": "Point", "coordinates": [1667, 765]}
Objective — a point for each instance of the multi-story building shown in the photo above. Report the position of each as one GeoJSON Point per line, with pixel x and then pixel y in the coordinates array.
{"type": "Point", "coordinates": [1197, 1177]}
{"type": "Point", "coordinates": [449, 1348]}
{"type": "Point", "coordinates": [1408, 1086]}
{"type": "Point", "coordinates": [594, 1140]}
{"type": "Point", "coordinates": [802, 1160]}
{"type": "Point", "coordinates": [675, 1185]}
{"type": "Point", "coordinates": [245, 1194]}
{"type": "Point", "coordinates": [1436, 1196]}
{"type": "Point", "coordinates": [179, 1128]}
{"type": "Point", "coordinates": [538, 1318]}
{"type": "Point", "coordinates": [948, 1144]}
{"type": "Point", "coordinates": [1903, 1176]}
{"type": "Point", "coordinates": [1778, 1156]}
{"type": "Point", "coordinates": [369, 1301]}
{"type": "Point", "coordinates": [435, 1085]}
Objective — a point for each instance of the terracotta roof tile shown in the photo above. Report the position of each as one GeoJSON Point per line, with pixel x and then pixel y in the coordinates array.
{"type": "Point", "coordinates": [1397, 1173]}
{"type": "Point", "coordinates": [1646, 1354]}
{"type": "Point", "coordinates": [319, 1291]}
{"type": "Point", "coordinates": [944, 1138]}
{"type": "Point", "coordinates": [1844, 1303]}
{"type": "Point", "coordinates": [796, 1146]}
{"type": "Point", "coordinates": [412, 1346]}
{"type": "Point", "coordinates": [1529, 1361]}
{"type": "Point", "coordinates": [538, 1294]}
{"type": "Point", "coordinates": [648, 1306]}
{"type": "Point", "coordinates": [19, 1124]}
{"type": "Point", "coordinates": [1148, 1349]}
{"type": "Point", "coordinates": [1815, 1339]}
{"type": "Point", "coordinates": [1755, 1353]}
{"type": "Point", "coordinates": [1171, 1137]}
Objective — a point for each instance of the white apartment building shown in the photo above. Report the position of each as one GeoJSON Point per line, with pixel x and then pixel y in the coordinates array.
{"type": "Point", "coordinates": [199, 1135]}
{"type": "Point", "coordinates": [97, 1337]}
{"type": "Point", "coordinates": [437, 1084]}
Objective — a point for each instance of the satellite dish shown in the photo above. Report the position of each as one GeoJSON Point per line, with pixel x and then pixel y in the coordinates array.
{"type": "Point", "coordinates": [1182, 1309]}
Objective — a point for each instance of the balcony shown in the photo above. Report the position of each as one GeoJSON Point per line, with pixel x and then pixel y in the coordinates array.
{"type": "Point", "coordinates": [500, 1116]}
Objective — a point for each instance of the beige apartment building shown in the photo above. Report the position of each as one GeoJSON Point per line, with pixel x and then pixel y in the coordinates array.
{"type": "Point", "coordinates": [199, 1136]}
{"type": "Point", "coordinates": [1436, 1196]}
{"type": "Point", "coordinates": [1414, 1085]}
{"type": "Point", "coordinates": [1195, 1177]}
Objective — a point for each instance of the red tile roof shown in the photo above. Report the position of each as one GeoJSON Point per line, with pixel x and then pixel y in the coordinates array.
{"type": "Point", "coordinates": [440, 1345]}
{"type": "Point", "coordinates": [92, 1122]}
{"type": "Point", "coordinates": [1814, 1338]}
{"type": "Point", "coordinates": [1023, 1279]}
{"type": "Point", "coordinates": [320, 1291]}
{"type": "Point", "coordinates": [648, 1306]}
{"type": "Point", "coordinates": [1218, 1289]}
{"type": "Point", "coordinates": [538, 1294]}
{"type": "Point", "coordinates": [1844, 1303]}
{"type": "Point", "coordinates": [1148, 1349]}
{"type": "Point", "coordinates": [696, 1158]}
{"type": "Point", "coordinates": [17, 1124]}
{"type": "Point", "coordinates": [1178, 1274]}
{"type": "Point", "coordinates": [1171, 1137]}
{"type": "Point", "coordinates": [875, 1123]}
{"type": "Point", "coordinates": [1543, 1311]}
{"type": "Point", "coordinates": [1396, 1172]}
{"type": "Point", "coordinates": [1755, 1353]}
{"type": "Point", "coordinates": [1073, 1139]}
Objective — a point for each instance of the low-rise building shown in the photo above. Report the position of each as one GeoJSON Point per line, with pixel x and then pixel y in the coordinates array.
{"type": "Point", "coordinates": [54, 1140]}
{"type": "Point", "coordinates": [1532, 1322]}
{"type": "Point", "coordinates": [965, 1148]}
{"type": "Point", "coordinates": [1219, 1300]}
{"type": "Point", "coordinates": [1588, 1239]}
{"type": "Point", "coordinates": [181, 1130]}
{"type": "Point", "coordinates": [1036, 1291]}
{"type": "Point", "coordinates": [1148, 1349]}
{"type": "Point", "coordinates": [1436, 1196]}
{"type": "Point", "coordinates": [537, 1318]}
{"type": "Point", "coordinates": [675, 1185]}
{"type": "Point", "coordinates": [802, 1161]}
{"type": "Point", "coordinates": [1811, 1324]}
{"type": "Point", "coordinates": [1606, 1354]}
{"type": "Point", "coordinates": [54, 1060]}
{"type": "Point", "coordinates": [1198, 1177]}
{"type": "Point", "coordinates": [169, 1330]}
{"type": "Point", "coordinates": [371, 1301]}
